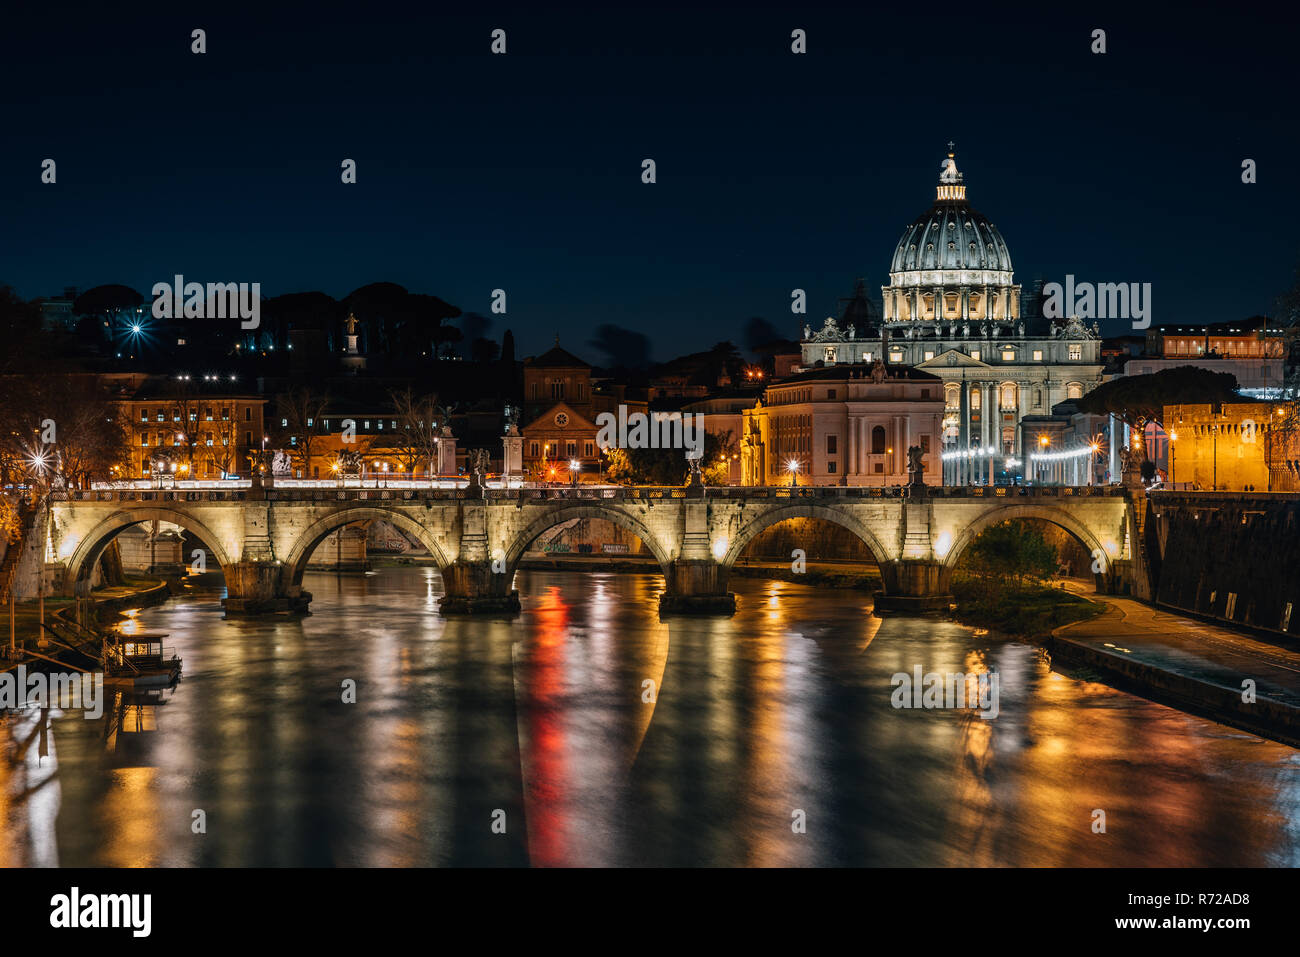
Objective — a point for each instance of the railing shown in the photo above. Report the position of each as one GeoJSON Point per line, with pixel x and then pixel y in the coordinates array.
{"type": "Point", "coordinates": [607, 493]}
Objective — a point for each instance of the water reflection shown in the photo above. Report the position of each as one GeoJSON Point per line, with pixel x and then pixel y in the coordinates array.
{"type": "Point", "coordinates": [589, 732]}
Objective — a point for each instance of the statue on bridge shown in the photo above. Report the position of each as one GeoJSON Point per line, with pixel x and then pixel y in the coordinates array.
{"type": "Point", "coordinates": [915, 466]}
{"type": "Point", "coordinates": [478, 462]}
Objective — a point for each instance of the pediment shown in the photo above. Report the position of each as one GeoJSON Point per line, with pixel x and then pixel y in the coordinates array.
{"type": "Point", "coordinates": [952, 359]}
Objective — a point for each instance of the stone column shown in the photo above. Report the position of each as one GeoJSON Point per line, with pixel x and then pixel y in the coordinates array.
{"type": "Point", "coordinates": [963, 432]}
{"type": "Point", "coordinates": [851, 463]}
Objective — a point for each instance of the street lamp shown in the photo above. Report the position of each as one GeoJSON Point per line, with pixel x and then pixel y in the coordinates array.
{"type": "Point", "coordinates": [792, 467]}
{"type": "Point", "coordinates": [574, 467]}
{"type": "Point", "coordinates": [1173, 437]}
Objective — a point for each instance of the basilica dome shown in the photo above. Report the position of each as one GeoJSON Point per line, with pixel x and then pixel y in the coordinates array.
{"type": "Point", "coordinates": [952, 264]}
{"type": "Point", "coordinates": [950, 236]}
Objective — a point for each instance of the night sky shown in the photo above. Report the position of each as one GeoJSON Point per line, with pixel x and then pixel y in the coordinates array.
{"type": "Point", "coordinates": [523, 171]}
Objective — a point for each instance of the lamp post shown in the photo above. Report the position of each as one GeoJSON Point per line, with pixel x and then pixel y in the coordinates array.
{"type": "Point", "coordinates": [1173, 438]}
{"type": "Point", "coordinates": [792, 467]}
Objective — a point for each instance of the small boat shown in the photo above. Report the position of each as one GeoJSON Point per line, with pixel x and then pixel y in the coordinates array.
{"type": "Point", "coordinates": [139, 661]}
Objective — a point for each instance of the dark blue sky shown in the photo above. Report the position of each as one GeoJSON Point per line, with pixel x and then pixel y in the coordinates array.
{"type": "Point", "coordinates": [523, 172]}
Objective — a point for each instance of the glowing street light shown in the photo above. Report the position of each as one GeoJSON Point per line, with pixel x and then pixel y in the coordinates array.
{"type": "Point", "coordinates": [792, 467]}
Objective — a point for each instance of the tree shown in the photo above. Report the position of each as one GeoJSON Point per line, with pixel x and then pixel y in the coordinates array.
{"type": "Point", "coordinates": [484, 350]}
{"type": "Point", "coordinates": [1011, 551]}
{"type": "Point", "coordinates": [667, 466]}
{"type": "Point", "coordinates": [298, 426]}
{"type": "Point", "coordinates": [419, 426]}
{"type": "Point", "coordinates": [1137, 400]}
{"type": "Point", "coordinates": [60, 430]}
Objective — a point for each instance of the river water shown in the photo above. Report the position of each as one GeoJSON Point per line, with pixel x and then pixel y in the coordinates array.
{"type": "Point", "coordinates": [588, 732]}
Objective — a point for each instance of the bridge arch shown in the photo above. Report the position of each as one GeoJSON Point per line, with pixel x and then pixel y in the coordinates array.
{"type": "Point", "coordinates": [314, 534]}
{"type": "Point", "coordinates": [560, 514]}
{"type": "Point", "coordinates": [92, 544]}
{"type": "Point", "coordinates": [773, 516]}
{"type": "Point", "coordinates": [1046, 513]}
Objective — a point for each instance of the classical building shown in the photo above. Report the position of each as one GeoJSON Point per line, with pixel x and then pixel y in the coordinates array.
{"type": "Point", "coordinates": [843, 425]}
{"type": "Point", "coordinates": [952, 309]}
{"type": "Point", "coordinates": [193, 428]}
{"type": "Point", "coordinates": [560, 410]}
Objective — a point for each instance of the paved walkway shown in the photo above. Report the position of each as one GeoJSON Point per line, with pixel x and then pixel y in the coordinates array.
{"type": "Point", "coordinates": [1193, 661]}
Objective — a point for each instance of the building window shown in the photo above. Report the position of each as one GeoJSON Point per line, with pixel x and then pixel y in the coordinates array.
{"type": "Point", "coordinates": [925, 393]}
{"type": "Point", "coordinates": [830, 445]}
{"type": "Point", "coordinates": [929, 354]}
{"type": "Point", "coordinates": [975, 354]}
{"type": "Point", "coordinates": [571, 448]}
{"type": "Point", "coordinates": [1038, 355]}
{"type": "Point", "coordinates": [830, 393]}
{"type": "Point", "coordinates": [144, 415]}
{"type": "Point", "coordinates": [880, 468]}
{"type": "Point", "coordinates": [588, 450]}
{"type": "Point", "coordinates": [830, 468]}
{"type": "Point", "coordinates": [925, 444]}
{"type": "Point", "coordinates": [248, 413]}
{"type": "Point", "coordinates": [1076, 351]}
{"type": "Point", "coordinates": [1008, 397]}
{"type": "Point", "coordinates": [1008, 355]}
{"type": "Point", "coordinates": [1074, 390]}
{"type": "Point", "coordinates": [534, 449]}
{"type": "Point", "coordinates": [878, 440]}
{"type": "Point", "coordinates": [895, 355]}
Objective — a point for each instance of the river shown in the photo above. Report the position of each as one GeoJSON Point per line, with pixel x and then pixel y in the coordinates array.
{"type": "Point", "coordinates": [587, 732]}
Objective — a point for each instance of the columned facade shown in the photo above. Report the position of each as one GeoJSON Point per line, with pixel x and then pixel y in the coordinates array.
{"type": "Point", "coordinates": [952, 309]}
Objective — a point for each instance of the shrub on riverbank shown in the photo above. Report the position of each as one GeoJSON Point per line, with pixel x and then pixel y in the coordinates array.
{"type": "Point", "coordinates": [1027, 610]}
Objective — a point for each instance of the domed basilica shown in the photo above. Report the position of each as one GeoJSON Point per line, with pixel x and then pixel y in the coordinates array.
{"type": "Point", "coordinates": [952, 308]}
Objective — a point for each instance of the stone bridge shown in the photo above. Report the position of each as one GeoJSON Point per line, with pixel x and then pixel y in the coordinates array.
{"type": "Point", "coordinates": [263, 537]}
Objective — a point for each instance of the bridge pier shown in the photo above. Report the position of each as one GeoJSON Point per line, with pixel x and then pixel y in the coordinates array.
{"type": "Point", "coordinates": [261, 588]}
{"type": "Point", "coordinates": [696, 587]}
{"type": "Point", "coordinates": [913, 585]}
{"type": "Point", "coordinates": [474, 588]}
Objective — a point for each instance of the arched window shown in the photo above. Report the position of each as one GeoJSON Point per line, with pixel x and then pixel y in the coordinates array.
{"type": "Point", "coordinates": [1008, 396]}
{"type": "Point", "coordinates": [975, 398]}
{"type": "Point", "coordinates": [878, 440]}
{"type": "Point", "coordinates": [952, 395]}
{"type": "Point", "coordinates": [1074, 390]}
